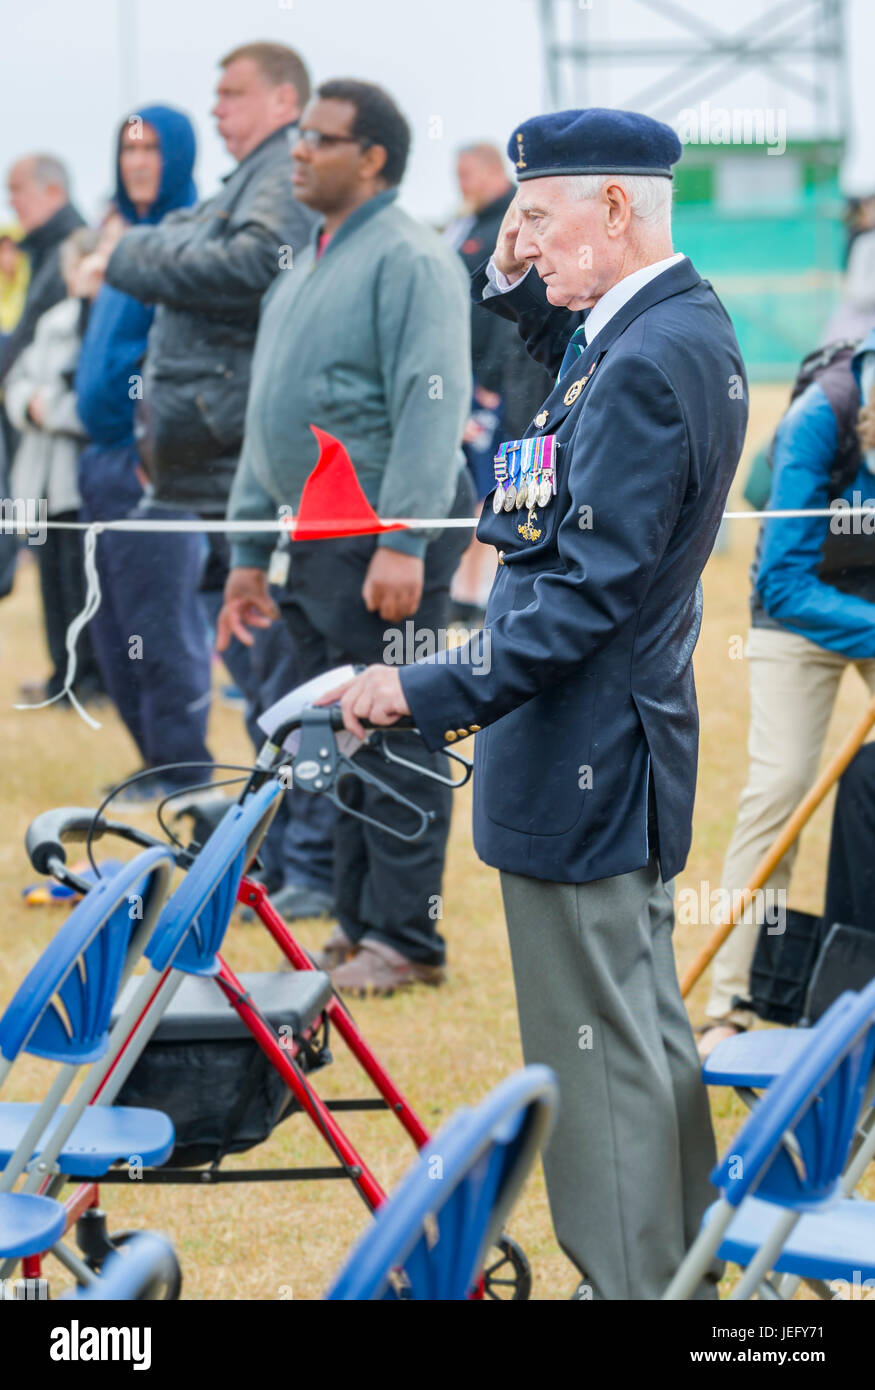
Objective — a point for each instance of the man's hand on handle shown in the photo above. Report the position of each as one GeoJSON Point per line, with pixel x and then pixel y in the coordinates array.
{"type": "Point", "coordinates": [375, 695]}
{"type": "Point", "coordinates": [247, 604]}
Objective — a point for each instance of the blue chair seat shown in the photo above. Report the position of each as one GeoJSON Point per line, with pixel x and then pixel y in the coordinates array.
{"type": "Point", "coordinates": [755, 1059]}
{"type": "Point", "coordinates": [104, 1135]}
{"type": "Point", "coordinates": [825, 1245]}
{"type": "Point", "coordinates": [29, 1224]}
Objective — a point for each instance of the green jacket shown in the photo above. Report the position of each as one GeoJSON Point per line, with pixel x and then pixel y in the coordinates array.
{"type": "Point", "coordinates": [372, 343]}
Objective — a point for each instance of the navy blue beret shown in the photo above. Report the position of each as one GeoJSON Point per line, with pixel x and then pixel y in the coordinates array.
{"type": "Point", "coordinates": [596, 140]}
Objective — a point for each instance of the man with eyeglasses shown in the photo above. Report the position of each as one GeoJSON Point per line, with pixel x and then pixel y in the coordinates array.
{"type": "Point", "coordinates": [367, 338]}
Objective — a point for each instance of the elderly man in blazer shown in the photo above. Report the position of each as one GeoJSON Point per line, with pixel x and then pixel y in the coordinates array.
{"type": "Point", "coordinates": [603, 517]}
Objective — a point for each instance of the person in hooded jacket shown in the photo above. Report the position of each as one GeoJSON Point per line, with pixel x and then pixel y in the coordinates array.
{"type": "Point", "coordinates": [152, 650]}
{"type": "Point", "coordinates": [812, 616]}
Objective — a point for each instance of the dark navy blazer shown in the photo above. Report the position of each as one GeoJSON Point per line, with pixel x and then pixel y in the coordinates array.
{"type": "Point", "coordinates": [582, 678]}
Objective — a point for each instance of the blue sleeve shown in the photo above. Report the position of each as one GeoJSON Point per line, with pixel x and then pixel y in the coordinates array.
{"type": "Point", "coordinates": [787, 580]}
{"type": "Point", "coordinates": [545, 328]}
{"type": "Point", "coordinates": [112, 356]}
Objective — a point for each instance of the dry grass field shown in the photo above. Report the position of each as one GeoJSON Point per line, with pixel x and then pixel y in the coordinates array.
{"type": "Point", "coordinates": [444, 1047]}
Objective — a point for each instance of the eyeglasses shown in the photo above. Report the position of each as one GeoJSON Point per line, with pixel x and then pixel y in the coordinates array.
{"type": "Point", "coordinates": [316, 139]}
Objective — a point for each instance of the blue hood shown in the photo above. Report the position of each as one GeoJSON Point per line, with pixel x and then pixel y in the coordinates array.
{"type": "Point", "coordinates": [118, 326]}
{"type": "Point", "coordinates": [176, 138]}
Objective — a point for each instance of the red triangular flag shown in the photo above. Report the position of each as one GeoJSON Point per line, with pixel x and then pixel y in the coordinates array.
{"type": "Point", "coordinates": [332, 503]}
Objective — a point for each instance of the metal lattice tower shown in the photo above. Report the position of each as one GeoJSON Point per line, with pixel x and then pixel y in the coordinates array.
{"type": "Point", "coordinates": [798, 45]}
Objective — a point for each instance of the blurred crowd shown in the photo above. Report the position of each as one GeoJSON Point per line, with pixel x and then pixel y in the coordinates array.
{"type": "Point", "coordinates": [168, 363]}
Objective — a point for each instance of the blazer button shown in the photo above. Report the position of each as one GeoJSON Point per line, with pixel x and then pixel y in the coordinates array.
{"type": "Point", "coordinates": [501, 557]}
{"type": "Point", "coordinates": [461, 733]}
{"type": "Point", "coordinates": [450, 736]}
{"type": "Point", "coordinates": [475, 728]}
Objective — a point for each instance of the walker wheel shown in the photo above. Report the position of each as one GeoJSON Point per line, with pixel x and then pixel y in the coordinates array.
{"type": "Point", "coordinates": [507, 1274]}
{"type": "Point", "coordinates": [167, 1291]}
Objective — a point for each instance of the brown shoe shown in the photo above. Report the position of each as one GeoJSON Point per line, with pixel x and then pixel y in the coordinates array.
{"type": "Point", "coordinates": [337, 949]}
{"type": "Point", "coordinates": [380, 969]}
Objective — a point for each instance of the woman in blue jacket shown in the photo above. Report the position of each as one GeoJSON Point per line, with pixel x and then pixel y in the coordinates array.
{"type": "Point", "coordinates": [153, 651]}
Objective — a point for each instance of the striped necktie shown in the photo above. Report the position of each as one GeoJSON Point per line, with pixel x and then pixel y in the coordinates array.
{"type": "Point", "coordinates": [576, 348]}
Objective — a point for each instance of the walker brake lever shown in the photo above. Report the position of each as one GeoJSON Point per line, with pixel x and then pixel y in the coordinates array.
{"type": "Point", "coordinates": [318, 768]}
{"type": "Point", "coordinates": [380, 743]}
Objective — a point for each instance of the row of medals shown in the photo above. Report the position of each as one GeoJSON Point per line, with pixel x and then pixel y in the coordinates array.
{"type": "Point", "coordinates": [531, 492]}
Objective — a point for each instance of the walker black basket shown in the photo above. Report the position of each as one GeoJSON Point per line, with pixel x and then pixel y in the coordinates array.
{"type": "Point", "coordinates": [204, 1070]}
{"type": "Point", "coordinates": [846, 961]}
{"type": "Point", "coordinates": [783, 964]}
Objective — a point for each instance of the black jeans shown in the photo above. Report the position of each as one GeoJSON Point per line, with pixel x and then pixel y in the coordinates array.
{"type": "Point", "coordinates": [384, 888]}
{"type": "Point", "coordinates": [850, 883]}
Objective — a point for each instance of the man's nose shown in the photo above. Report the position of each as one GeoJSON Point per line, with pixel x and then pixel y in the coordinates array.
{"type": "Point", "coordinates": [525, 248]}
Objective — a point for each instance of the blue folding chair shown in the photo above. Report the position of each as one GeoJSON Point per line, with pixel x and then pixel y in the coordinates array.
{"type": "Point", "coordinates": [783, 1205]}
{"type": "Point", "coordinates": [191, 930]}
{"type": "Point", "coordinates": [144, 1268]}
{"type": "Point", "coordinates": [82, 1142]}
{"type": "Point", "coordinates": [430, 1238]}
{"type": "Point", "coordinates": [61, 1012]}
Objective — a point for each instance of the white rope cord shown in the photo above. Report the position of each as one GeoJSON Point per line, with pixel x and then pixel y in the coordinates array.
{"type": "Point", "coordinates": [415, 523]}
{"type": "Point", "coordinates": [90, 607]}
{"type": "Point", "coordinates": [93, 595]}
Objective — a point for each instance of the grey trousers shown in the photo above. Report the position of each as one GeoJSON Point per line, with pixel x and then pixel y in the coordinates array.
{"type": "Point", "coordinates": [598, 998]}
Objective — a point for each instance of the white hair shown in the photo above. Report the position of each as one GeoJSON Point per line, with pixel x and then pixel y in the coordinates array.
{"type": "Point", "coordinates": [649, 194]}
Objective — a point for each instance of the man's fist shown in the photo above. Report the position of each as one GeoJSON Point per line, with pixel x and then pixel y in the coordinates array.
{"type": "Point", "coordinates": [247, 604]}
{"type": "Point", "coordinates": [393, 584]}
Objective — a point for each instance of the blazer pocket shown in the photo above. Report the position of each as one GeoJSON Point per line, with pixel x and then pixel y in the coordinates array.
{"type": "Point", "coordinates": [536, 773]}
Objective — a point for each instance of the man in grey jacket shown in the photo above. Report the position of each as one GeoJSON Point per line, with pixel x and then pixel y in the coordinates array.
{"type": "Point", "coordinates": [368, 338]}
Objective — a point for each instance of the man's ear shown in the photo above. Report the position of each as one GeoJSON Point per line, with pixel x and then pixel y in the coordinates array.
{"type": "Point", "coordinates": [287, 100]}
{"type": "Point", "coordinates": [619, 210]}
{"type": "Point", "coordinates": [374, 161]}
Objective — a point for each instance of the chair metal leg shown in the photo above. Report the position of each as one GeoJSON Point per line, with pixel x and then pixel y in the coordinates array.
{"type": "Point", "coordinates": [765, 1257]}
{"type": "Point", "coordinates": [695, 1263]}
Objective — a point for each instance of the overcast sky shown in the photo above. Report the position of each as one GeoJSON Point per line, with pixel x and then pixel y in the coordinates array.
{"type": "Point", "coordinates": [461, 70]}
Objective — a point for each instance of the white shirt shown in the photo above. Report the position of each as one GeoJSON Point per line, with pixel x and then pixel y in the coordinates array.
{"type": "Point", "coordinates": [610, 302]}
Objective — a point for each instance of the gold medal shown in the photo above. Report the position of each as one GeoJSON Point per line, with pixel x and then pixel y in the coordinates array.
{"type": "Point", "coordinates": [574, 391]}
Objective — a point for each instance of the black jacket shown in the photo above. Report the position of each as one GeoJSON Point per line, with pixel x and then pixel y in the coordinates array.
{"type": "Point", "coordinates": [498, 355]}
{"type": "Point", "coordinates": [47, 286]}
{"type": "Point", "coordinates": [207, 268]}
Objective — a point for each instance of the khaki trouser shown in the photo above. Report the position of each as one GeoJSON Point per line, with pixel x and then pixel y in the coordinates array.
{"type": "Point", "coordinates": [597, 993]}
{"type": "Point", "coordinates": [793, 686]}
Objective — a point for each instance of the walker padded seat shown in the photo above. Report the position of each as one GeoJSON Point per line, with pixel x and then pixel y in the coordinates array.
{"type": "Point", "coordinates": [199, 1012]}
{"type": "Point", "coordinates": [29, 1224]}
{"type": "Point", "coordinates": [104, 1135]}
{"type": "Point", "coordinates": [824, 1245]}
{"type": "Point", "coordinates": [755, 1059]}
